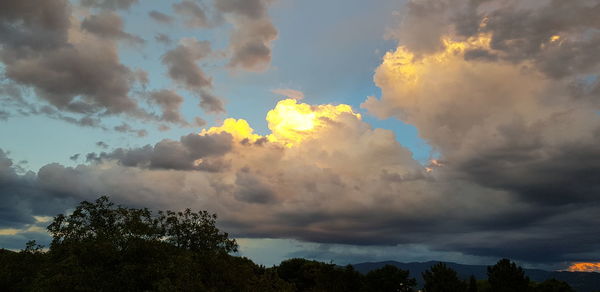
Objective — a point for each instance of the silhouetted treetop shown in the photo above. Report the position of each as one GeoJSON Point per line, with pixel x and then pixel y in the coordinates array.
{"type": "Point", "coordinates": [119, 226]}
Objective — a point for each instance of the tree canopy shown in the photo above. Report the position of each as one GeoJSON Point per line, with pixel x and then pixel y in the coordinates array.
{"type": "Point", "coordinates": [440, 278]}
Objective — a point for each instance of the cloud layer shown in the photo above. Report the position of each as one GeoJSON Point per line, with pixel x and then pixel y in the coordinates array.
{"type": "Point", "coordinates": [62, 59]}
{"type": "Point", "coordinates": [506, 92]}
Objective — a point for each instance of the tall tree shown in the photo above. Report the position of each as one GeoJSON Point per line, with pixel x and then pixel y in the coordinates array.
{"type": "Point", "coordinates": [389, 278]}
{"type": "Point", "coordinates": [506, 276]}
{"type": "Point", "coordinates": [472, 284]}
{"type": "Point", "coordinates": [441, 278]}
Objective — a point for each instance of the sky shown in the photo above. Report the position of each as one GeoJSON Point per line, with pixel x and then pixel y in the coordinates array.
{"type": "Point", "coordinates": [343, 131]}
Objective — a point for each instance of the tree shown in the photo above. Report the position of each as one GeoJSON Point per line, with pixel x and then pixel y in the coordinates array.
{"type": "Point", "coordinates": [389, 278]}
{"type": "Point", "coordinates": [472, 284]}
{"type": "Point", "coordinates": [105, 247]}
{"type": "Point", "coordinates": [441, 278]}
{"type": "Point", "coordinates": [506, 276]}
{"type": "Point", "coordinates": [553, 285]}
{"type": "Point", "coordinates": [307, 275]}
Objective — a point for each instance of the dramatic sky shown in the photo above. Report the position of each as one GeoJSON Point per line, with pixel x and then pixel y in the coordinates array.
{"type": "Point", "coordinates": [342, 130]}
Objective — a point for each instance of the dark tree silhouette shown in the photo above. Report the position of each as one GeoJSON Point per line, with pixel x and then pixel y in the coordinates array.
{"type": "Point", "coordinates": [506, 276]}
{"type": "Point", "coordinates": [472, 284]}
{"type": "Point", "coordinates": [441, 278]}
{"type": "Point", "coordinates": [553, 285]}
{"type": "Point", "coordinates": [389, 278]}
{"type": "Point", "coordinates": [104, 247]}
{"type": "Point", "coordinates": [307, 275]}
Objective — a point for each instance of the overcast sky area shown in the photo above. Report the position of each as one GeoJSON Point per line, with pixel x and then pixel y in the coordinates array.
{"type": "Point", "coordinates": [343, 130]}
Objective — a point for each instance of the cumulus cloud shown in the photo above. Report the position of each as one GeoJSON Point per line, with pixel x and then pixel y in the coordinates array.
{"type": "Point", "coordinates": [517, 142]}
{"type": "Point", "coordinates": [169, 102]}
{"type": "Point", "coordinates": [44, 48]}
{"type": "Point", "coordinates": [72, 66]}
{"type": "Point", "coordinates": [181, 62]}
{"type": "Point", "coordinates": [500, 90]}
{"type": "Point", "coordinates": [251, 40]}
{"type": "Point", "coordinates": [324, 175]}
{"type": "Point", "coordinates": [108, 25]}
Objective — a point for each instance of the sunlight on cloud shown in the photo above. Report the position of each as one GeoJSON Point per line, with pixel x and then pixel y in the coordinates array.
{"type": "Point", "coordinates": [290, 122]}
{"type": "Point", "coordinates": [584, 267]}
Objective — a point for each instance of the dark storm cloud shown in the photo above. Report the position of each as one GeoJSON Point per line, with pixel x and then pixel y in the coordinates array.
{"type": "Point", "coordinates": [23, 197]}
{"type": "Point", "coordinates": [108, 25]}
{"type": "Point", "coordinates": [251, 189]}
{"type": "Point", "coordinates": [160, 17]}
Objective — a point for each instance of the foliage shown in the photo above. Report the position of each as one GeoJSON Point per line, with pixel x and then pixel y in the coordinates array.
{"type": "Point", "coordinates": [472, 284]}
{"type": "Point", "coordinates": [553, 285]}
{"type": "Point", "coordinates": [389, 278]}
{"type": "Point", "coordinates": [307, 275]}
{"type": "Point", "coordinates": [440, 278]}
{"type": "Point", "coordinates": [506, 276]}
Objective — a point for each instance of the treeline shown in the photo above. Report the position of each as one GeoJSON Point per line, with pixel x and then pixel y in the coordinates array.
{"type": "Point", "coordinates": [104, 247]}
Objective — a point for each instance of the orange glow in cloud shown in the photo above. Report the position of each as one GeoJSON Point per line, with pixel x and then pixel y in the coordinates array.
{"type": "Point", "coordinates": [290, 122]}
{"type": "Point", "coordinates": [584, 267]}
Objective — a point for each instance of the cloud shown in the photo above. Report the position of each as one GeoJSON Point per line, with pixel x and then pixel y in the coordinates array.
{"type": "Point", "coordinates": [163, 38]}
{"type": "Point", "coordinates": [73, 67]}
{"type": "Point", "coordinates": [194, 15]}
{"type": "Point", "coordinates": [44, 48]}
{"type": "Point", "coordinates": [483, 89]}
{"type": "Point", "coordinates": [324, 175]}
{"type": "Point", "coordinates": [109, 4]}
{"type": "Point", "coordinates": [253, 34]}
{"type": "Point", "coordinates": [289, 93]}
{"type": "Point", "coordinates": [126, 128]}
{"type": "Point", "coordinates": [170, 103]}
{"type": "Point", "coordinates": [192, 152]}
{"type": "Point", "coordinates": [181, 62]}
{"type": "Point", "coordinates": [108, 25]}
{"type": "Point", "coordinates": [516, 135]}
{"type": "Point", "coordinates": [160, 17]}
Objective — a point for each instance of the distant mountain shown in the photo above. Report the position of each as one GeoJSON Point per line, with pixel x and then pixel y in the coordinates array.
{"type": "Point", "coordinates": [580, 281]}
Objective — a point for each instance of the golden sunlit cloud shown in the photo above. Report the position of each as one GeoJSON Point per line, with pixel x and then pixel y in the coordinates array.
{"type": "Point", "coordinates": [290, 122]}
{"type": "Point", "coordinates": [406, 67]}
{"type": "Point", "coordinates": [239, 129]}
{"type": "Point", "coordinates": [584, 267]}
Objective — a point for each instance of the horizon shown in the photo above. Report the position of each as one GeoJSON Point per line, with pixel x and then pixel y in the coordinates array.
{"type": "Point", "coordinates": [346, 131]}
